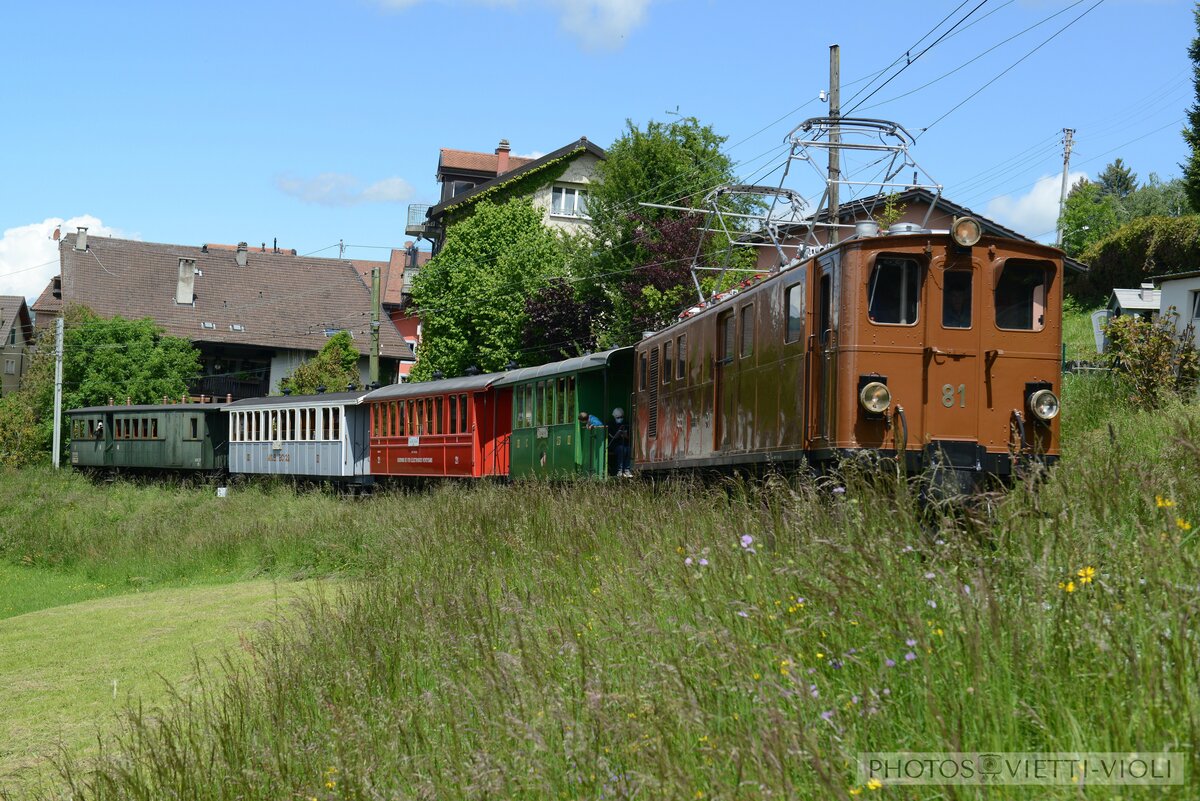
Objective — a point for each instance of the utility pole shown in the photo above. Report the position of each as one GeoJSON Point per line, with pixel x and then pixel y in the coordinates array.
{"type": "Point", "coordinates": [374, 326]}
{"type": "Point", "coordinates": [1068, 140]}
{"type": "Point", "coordinates": [835, 138]}
{"type": "Point", "coordinates": [58, 357]}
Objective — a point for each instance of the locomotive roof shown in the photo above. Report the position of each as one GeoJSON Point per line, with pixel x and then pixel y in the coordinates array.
{"type": "Point", "coordinates": [446, 385]}
{"type": "Point", "coordinates": [152, 407]}
{"type": "Point", "coordinates": [321, 399]}
{"type": "Point", "coordinates": [590, 361]}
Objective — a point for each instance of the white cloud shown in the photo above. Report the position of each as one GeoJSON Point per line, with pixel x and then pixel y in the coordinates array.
{"type": "Point", "coordinates": [597, 24]}
{"type": "Point", "coordinates": [29, 254]}
{"type": "Point", "coordinates": [341, 189]}
{"type": "Point", "coordinates": [1035, 213]}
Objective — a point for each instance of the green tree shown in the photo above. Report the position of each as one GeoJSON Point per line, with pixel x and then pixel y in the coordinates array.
{"type": "Point", "coordinates": [1158, 198]}
{"type": "Point", "coordinates": [1089, 215]}
{"type": "Point", "coordinates": [1191, 134]}
{"type": "Point", "coordinates": [1155, 358]}
{"type": "Point", "coordinates": [334, 368]}
{"type": "Point", "coordinates": [638, 274]}
{"type": "Point", "coordinates": [1117, 180]}
{"type": "Point", "coordinates": [102, 358]}
{"type": "Point", "coordinates": [1137, 250]}
{"type": "Point", "coordinates": [472, 295]}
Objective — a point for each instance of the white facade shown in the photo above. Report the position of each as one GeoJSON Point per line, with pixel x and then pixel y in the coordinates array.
{"type": "Point", "coordinates": [1183, 293]}
{"type": "Point", "coordinates": [566, 211]}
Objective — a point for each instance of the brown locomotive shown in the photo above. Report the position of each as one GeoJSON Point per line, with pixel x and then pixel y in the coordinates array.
{"type": "Point", "coordinates": [941, 345]}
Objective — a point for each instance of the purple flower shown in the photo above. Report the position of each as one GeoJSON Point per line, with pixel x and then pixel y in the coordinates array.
{"type": "Point", "coordinates": [703, 562]}
{"type": "Point", "coordinates": [813, 691]}
{"type": "Point", "coordinates": [827, 715]}
{"type": "Point", "coordinates": [852, 652]}
{"type": "Point", "coordinates": [930, 576]}
{"type": "Point", "coordinates": [836, 664]}
{"type": "Point", "coordinates": [747, 540]}
{"type": "Point", "coordinates": [854, 699]}
{"type": "Point", "coordinates": [743, 613]}
{"type": "Point", "coordinates": [889, 662]}
{"type": "Point", "coordinates": [688, 561]}
{"type": "Point", "coordinates": [886, 691]}
{"type": "Point", "coordinates": [910, 656]}
{"type": "Point", "coordinates": [911, 643]}
{"type": "Point", "coordinates": [932, 603]}
{"type": "Point", "coordinates": [839, 490]}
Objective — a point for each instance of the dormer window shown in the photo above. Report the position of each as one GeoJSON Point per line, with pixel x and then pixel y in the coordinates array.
{"type": "Point", "coordinates": [568, 201]}
{"type": "Point", "coordinates": [459, 187]}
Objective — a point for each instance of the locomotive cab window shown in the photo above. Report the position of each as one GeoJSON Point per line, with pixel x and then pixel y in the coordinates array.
{"type": "Point", "coordinates": [894, 291]}
{"type": "Point", "coordinates": [795, 313]}
{"type": "Point", "coordinates": [956, 300]}
{"type": "Point", "coordinates": [725, 332]}
{"type": "Point", "coordinates": [681, 357]}
{"type": "Point", "coordinates": [1021, 295]}
{"type": "Point", "coordinates": [747, 324]}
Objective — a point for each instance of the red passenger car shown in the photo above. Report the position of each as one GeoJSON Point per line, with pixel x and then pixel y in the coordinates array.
{"type": "Point", "coordinates": [453, 427]}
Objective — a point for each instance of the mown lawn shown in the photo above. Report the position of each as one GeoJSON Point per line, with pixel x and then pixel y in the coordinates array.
{"type": "Point", "coordinates": [68, 670]}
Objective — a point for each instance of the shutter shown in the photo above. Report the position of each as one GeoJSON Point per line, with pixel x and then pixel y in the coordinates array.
{"type": "Point", "coordinates": [652, 412]}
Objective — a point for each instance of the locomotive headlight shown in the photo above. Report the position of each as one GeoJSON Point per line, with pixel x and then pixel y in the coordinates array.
{"type": "Point", "coordinates": [966, 231]}
{"type": "Point", "coordinates": [875, 397]}
{"type": "Point", "coordinates": [1044, 405]}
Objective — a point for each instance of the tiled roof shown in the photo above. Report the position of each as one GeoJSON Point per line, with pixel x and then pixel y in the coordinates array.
{"type": "Point", "coordinates": [391, 274]}
{"type": "Point", "coordinates": [477, 162]}
{"type": "Point", "coordinates": [47, 304]}
{"type": "Point", "coordinates": [13, 311]}
{"type": "Point", "coordinates": [277, 301]}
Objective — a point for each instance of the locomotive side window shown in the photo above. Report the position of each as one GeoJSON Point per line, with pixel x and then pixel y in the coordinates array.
{"type": "Point", "coordinates": [642, 370]}
{"type": "Point", "coordinates": [893, 291]}
{"type": "Point", "coordinates": [725, 340]}
{"type": "Point", "coordinates": [667, 369]}
{"type": "Point", "coordinates": [747, 323]}
{"type": "Point", "coordinates": [681, 357]}
{"type": "Point", "coordinates": [1021, 295]}
{"type": "Point", "coordinates": [571, 410]}
{"type": "Point", "coordinates": [956, 300]}
{"type": "Point", "coordinates": [462, 412]}
{"type": "Point", "coordinates": [795, 313]}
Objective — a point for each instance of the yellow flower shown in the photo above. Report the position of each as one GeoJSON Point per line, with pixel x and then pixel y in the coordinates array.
{"type": "Point", "coordinates": [855, 791]}
{"type": "Point", "coordinates": [1163, 503]}
{"type": "Point", "coordinates": [1086, 574]}
{"type": "Point", "coordinates": [1070, 586]}
{"type": "Point", "coordinates": [757, 676]}
{"type": "Point", "coordinates": [874, 784]}
{"type": "Point", "coordinates": [784, 664]}
{"type": "Point", "coordinates": [1183, 524]}
{"type": "Point", "coordinates": [820, 655]}
{"type": "Point", "coordinates": [330, 784]}
{"type": "Point", "coordinates": [699, 794]}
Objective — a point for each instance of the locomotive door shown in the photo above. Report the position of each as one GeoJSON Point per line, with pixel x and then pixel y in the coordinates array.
{"type": "Point", "coordinates": [824, 353]}
{"type": "Point", "coordinates": [724, 383]}
{"type": "Point", "coordinates": [952, 367]}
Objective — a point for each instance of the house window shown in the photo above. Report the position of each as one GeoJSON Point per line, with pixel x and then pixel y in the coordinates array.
{"type": "Point", "coordinates": [1195, 306]}
{"type": "Point", "coordinates": [568, 201]}
{"type": "Point", "coordinates": [12, 336]}
{"type": "Point", "coordinates": [10, 366]}
{"type": "Point", "coordinates": [459, 187]}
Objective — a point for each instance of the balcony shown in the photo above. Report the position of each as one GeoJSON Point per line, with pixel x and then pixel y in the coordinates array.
{"type": "Point", "coordinates": [416, 220]}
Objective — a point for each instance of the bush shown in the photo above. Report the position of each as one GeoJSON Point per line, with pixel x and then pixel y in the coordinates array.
{"type": "Point", "coordinates": [1157, 360]}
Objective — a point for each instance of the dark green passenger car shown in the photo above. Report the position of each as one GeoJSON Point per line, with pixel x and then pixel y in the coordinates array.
{"type": "Point", "coordinates": [548, 439]}
{"type": "Point", "coordinates": [184, 436]}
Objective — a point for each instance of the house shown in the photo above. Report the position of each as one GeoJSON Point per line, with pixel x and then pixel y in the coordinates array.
{"type": "Point", "coordinates": [396, 277]}
{"type": "Point", "coordinates": [16, 340]}
{"type": "Point", "coordinates": [1144, 302]}
{"type": "Point", "coordinates": [1182, 291]}
{"type": "Point", "coordinates": [557, 182]}
{"type": "Point", "coordinates": [919, 206]}
{"type": "Point", "coordinates": [254, 313]}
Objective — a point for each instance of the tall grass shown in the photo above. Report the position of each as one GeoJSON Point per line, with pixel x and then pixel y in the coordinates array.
{"type": "Point", "coordinates": [625, 641]}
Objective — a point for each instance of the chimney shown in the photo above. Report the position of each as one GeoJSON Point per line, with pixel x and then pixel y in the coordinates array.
{"type": "Point", "coordinates": [1145, 291]}
{"type": "Point", "coordinates": [502, 157]}
{"type": "Point", "coordinates": [187, 282]}
{"type": "Point", "coordinates": [242, 254]}
{"type": "Point", "coordinates": [81, 238]}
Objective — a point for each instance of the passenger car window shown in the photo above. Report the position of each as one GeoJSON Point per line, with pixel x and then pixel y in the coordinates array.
{"type": "Point", "coordinates": [956, 300]}
{"type": "Point", "coordinates": [1021, 295]}
{"type": "Point", "coordinates": [893, 291]}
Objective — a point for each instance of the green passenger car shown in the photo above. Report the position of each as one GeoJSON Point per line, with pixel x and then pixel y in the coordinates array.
{"type": "Point", "coordinates": [185, 436]}
{"type": "Point", "coordinates": [548, 440]}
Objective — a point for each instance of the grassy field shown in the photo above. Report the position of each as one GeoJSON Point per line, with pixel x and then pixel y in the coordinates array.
{"type": "Point", "coordinates": [675, 640]}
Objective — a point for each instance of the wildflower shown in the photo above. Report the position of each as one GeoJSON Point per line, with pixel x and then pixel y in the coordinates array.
{"type": "Point", "coordinates": [910, 656]}
{"type": "Point", "coordinates": [743, 613]}
{"type": "Point", "coordinates": [889, 663]}
{"type": "Point", "coordinates": [836, 664]}
{"type": "Point", "coordinates": [939, 632]}
{"type": "Point", "coordinates": [1086, 574]}
{"type": "Point", "coordinates": [703, 562]}
{"type": "Point", "coordinates": [854, 699]}
{"type": "Point", "coordinates": [1183, 524]}
{"type": "Point", "coordinates": [874, 784]}
{"type": "Point", "coordinates": [813, 691]}
{"type": "Point", "coordinates": [930, 576]}
{"type": "Point", "coordinates": [785, 667]}
{"type": "Point", "coordinates": [1163, 503]}
{"type": "Point", "coordinates": [839, 490]}
{"type": "Point", "coordinates": [747, 540]}
{"type": "Point", "coordinates": [1068, 587]}
{"type": "Point", "coordinates": [911, 643]}
{"type": "Point", "coordinates": [757, 676]}
{"type": "Point", "coordinates": [966, 589]}
{"type": "Point", "coordinates": [855, 791]}
{"type": "Point", "coordinates": [688, 561]}
{"type": "Point", "coordinates": [820, 655]}
{"type": "Point", "coordinates": [827, 715]}
{"type": "Point", "coordinates": [906, 549]}
{"type": "Point", "coordinates": [932, 603]}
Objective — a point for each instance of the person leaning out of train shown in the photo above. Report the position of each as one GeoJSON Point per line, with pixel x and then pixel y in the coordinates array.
{"type": "Point", "coordinates": [590, 420]}
{"type": "Point", "coordinates": [618, 437]}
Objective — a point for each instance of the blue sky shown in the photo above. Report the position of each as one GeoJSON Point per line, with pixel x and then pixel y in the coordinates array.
{"type": "Point", "coordinates": [314, 122]}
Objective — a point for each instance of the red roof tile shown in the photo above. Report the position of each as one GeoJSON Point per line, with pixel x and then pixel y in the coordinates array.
{"type": "Point", "coordinates": [476, 162]}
